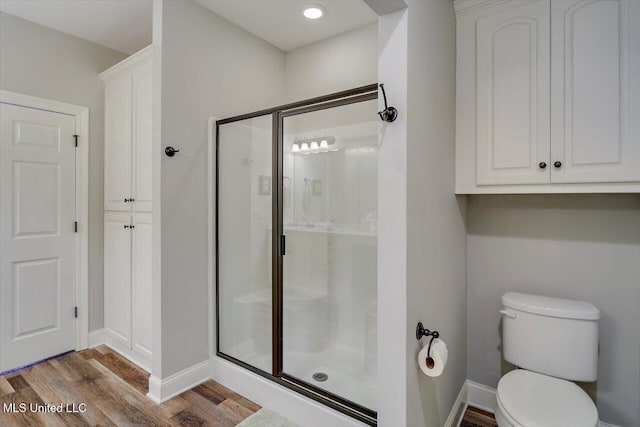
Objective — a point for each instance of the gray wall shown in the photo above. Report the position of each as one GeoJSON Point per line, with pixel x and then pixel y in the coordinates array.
{"type": "Point", "coordinates": [338, 63]}
{"type": "Point", "coordinates": [584, 247]}
{"type": "Point", "coordinates": [210, 68]}
{"type": "Point", "coordinates": [42, 62]}
{"type": "Point", "coordinates": [436, 234]}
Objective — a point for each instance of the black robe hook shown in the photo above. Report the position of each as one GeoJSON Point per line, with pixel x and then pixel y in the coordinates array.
{"type": "Point", "coordinates": [389, 114]}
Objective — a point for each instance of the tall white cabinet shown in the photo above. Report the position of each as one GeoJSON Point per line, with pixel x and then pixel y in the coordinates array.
{"type": "Point", "coordinates": [127, 203]}
{"type": "Point", "coordinates": [548, 96]}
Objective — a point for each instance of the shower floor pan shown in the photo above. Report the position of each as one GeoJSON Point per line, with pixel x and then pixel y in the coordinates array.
{"type": "Point", "coordinates": [346, 376]}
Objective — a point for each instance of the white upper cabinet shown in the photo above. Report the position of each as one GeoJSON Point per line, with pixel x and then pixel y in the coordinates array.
{"type": "Point", "coordinates": [595, 105]}
{"type": "Point", "coordinates": [142, 138]}
{"type": "Point", "coordinates": [127, 174]}
{"type": "Point", "coordinates": [512, 81]}
{"type": "Point", "coordinates": [117, 144]}
{"type": "Point", "coordinates": [548, 96]}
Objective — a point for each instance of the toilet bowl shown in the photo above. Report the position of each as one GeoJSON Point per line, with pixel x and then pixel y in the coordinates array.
{"type": "Point", "coordinates": [554, 341]}
{"type": "Point", "coordinates": [529, 399]}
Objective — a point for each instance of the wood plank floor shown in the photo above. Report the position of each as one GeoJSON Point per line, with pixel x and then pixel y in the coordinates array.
{"type": "Point", "coordinates": [474, 417]}
{"type": "Point", "coordinates": [114, 391]}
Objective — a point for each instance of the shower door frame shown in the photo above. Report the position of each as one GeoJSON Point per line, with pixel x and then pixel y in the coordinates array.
{"type": "Point", "coordinates": [278, 114]}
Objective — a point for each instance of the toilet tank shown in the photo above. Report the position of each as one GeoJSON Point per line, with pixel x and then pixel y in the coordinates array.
{"type": "Point", "coordinates": [552, 336]}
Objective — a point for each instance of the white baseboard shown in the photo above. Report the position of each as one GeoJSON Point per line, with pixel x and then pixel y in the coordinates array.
{"type": "Point", "coordinates": [96, 338]}
{"type": "Point", "coordinates": [479, 396]}
{"type": "Point", "coordinates": [163, 389]}
{"type": "Point", "coordinates": [457, 411]}
{"type": "Point", "coordinates": [471, 394]}
{"type": "Point", "coordinates": [294, 406]}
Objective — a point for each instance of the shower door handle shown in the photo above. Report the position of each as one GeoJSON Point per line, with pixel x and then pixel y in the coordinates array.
{"type": "Point", "coordinates": [283, 245]}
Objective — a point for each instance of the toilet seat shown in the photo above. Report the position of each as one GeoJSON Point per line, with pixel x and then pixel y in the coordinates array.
{"type": "Point", "coordinates": [529, 399]}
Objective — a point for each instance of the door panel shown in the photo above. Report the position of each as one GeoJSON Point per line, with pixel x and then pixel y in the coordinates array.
{"type": "Point", "coordinates": [142, 283]}
{"type": "Point", "coordinates": [117, 275]}
{"type": "Point", "coordinates": [35, 209]}
{"type": "Point", "coordinates": [596, 91]}
{"type": "Point", "coordinates": [37, 239]}
{"type": "Point", "coordinates": [513, 96]}
{"type": "Point", "coordinates": [244, 207]}
{"type": "Point", "coordinates": [117, 145]}
{"type": "Point", "coordinates": [329, 284]}
{"type": "Point", "coordinates": [142, 139]}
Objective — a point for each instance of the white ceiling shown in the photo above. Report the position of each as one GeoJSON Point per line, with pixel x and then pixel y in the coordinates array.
{"type": "Point", "coordinates": [280, 22]}
{"type": "Point", "coordinates": [122, 25]}
{"type": "Point", "coordinates": [125, 25]}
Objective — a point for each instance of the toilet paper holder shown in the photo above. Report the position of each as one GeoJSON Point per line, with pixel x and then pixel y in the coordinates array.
{"type": "Point", "coordinates": [422, 332]}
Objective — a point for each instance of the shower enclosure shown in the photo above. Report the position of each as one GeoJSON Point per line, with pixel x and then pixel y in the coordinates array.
{"type": "Point", "coordinates": [296, 246]}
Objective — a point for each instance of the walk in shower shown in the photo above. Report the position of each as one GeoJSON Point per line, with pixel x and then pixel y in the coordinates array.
{"type": "Point", "coordinates": [296, 246]}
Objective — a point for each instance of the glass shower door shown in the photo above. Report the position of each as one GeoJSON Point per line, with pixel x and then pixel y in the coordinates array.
{"type": "Point", "coordinates": [329, 202]}
{"type": "Point", "coordinates": [244, 207]}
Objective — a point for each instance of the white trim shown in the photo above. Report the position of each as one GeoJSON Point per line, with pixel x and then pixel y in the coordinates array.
{"type": "Point", "coordinates": [82, 199]}
{"type": "Point", "coordinates": [125, 65]}
{"type": "Point", "coordinates": [161, 390]}
{"type": "Point", "coordinates": [471, 394]}
{"type": "Point", "coordinates": [29, 101]}
{"type": "Point", "coordinates": [211, 218]}
{"type": "Point", "coordinates": [465, 7]}
{"type": "Point", "coordinates": [458, 408]}
{"type": "Point", "coordinates": [481, 396]}
{"type": "Point", "coordinates": [96, 338]}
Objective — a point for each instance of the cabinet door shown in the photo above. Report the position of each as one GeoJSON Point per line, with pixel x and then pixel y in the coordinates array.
{"type": "Point", "coordinates": [142, 283]}
{"type": "Point", "coordinates": [117, 144]}
{"type": "Point", "coordinates": [513, 85]}
{"type": "Point", "coordinates": [596, 91]}
{"type": "Point", "coordinates": [142, 138]}
{"type": "Point", "coordinates": [117, 275]}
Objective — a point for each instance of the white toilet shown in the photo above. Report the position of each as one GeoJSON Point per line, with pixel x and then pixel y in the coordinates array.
{"type": "Point", "coordinates": [552, 341]}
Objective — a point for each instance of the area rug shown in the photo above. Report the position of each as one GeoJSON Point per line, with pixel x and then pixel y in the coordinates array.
{"type": "Point", "coordinates": [267, 418]}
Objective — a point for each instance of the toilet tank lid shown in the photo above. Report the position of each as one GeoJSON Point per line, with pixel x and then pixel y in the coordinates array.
{"type": "Point", "coordinates": [548, 306]}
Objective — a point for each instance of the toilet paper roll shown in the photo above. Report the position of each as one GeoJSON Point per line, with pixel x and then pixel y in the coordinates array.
{"type": "Point", "coordinates": [439, 354]}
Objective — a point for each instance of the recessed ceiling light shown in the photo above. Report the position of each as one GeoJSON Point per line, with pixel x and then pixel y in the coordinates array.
{"type": "Point", "coordinates": [313, 12]}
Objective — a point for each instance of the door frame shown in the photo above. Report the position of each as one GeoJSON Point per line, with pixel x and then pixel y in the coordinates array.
{"type": "Point", "coordinates": [81, 115]}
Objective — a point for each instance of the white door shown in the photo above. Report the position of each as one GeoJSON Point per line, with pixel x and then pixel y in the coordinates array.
{"type": "Point", "coordinates": [117, 275]}
{"type": "Point", "coordinates": [596, 91]}
{"type": "Point", "coordinates": [37, 237]}
{"type": "Point", "coordinates": [513, 84]}
{"type": "Point", "coordinates": [117, 145]}
{"type": "Point", "coordinates": [141, 283]}
{"type": "Point", "coordinates": [142, 138]}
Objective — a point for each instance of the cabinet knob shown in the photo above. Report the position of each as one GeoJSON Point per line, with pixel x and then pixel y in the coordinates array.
{"type": "Point", "coordinates": [126, 226]}
{"type": "Point", "coordinates": [542, 165]}
{"type": "Point", "coordinates": [557, 164]}
{"type": "Point", "coordinates": [132, 226]}
{"type": "Point", "coordinates": [126, 200]}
